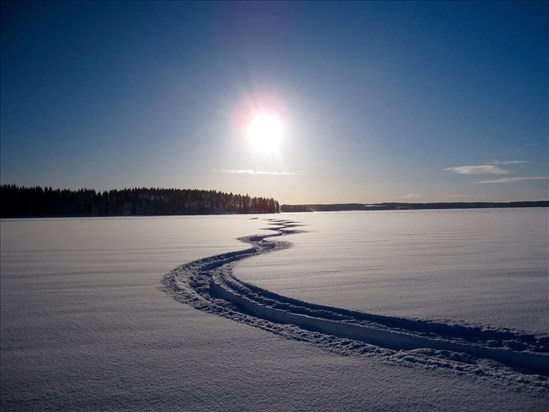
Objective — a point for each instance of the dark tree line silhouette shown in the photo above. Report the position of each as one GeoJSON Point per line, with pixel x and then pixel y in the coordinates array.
{"type": "Point", "coordinates": [19, 201]}
{"type": "Point", "coordinates": [408, 206]}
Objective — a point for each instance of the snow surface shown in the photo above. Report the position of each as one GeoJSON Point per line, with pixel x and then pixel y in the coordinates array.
{"type": "Point", "coordinates": [86, 324]}
{"type": "Point", "coordinates": [480, 266]}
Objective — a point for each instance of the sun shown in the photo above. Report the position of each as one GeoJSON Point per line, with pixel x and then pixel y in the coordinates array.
{"type": "Point", "coordinates": [265, 133]}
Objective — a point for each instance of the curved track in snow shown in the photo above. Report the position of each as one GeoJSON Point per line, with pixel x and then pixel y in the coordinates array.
{"type": "Point", "coordinates": [209, 284]}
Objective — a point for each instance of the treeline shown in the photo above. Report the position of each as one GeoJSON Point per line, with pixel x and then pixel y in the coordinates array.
{"type": "Point", "coordinates": [47, 202]}
{"type": "Point", "coordinates": [409, 206]}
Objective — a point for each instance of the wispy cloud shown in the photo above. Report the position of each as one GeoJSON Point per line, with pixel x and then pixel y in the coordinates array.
{"type": "Point", "coordinates": [411, 196]}
{"type": "Point", "coordinates": [460, 196]}
{"type": "Point", "coordinates": [514, 179]}
{"type": "Point", "coordinates": [509, 162]}
{"type": "Point", "coordinates": [489, 169]}
{"type": "Point", "coordinates": [256, 172]}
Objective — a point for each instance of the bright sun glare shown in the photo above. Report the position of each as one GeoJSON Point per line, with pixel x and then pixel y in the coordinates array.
{"type": "Point", "coordinates": [265, 133]}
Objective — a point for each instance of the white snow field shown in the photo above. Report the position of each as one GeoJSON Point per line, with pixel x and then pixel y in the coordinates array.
{"type": "Point", "coordinates": [485, 266]}
{"type": "Point", "coordinates": [101, 314]}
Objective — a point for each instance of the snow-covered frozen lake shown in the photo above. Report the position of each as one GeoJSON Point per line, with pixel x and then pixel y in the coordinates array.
{"type": "Point", "coordinates": [486, 266]}
{"type": "Point", "coordinates": [89, 320]}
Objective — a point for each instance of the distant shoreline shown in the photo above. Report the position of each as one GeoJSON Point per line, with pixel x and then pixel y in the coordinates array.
{"type": "Point", "coordinates": [36, 202]}
{"type": "Point", "coordinates": [341, 207]}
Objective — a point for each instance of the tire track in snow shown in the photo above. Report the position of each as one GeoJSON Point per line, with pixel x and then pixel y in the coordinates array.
{"type": "Point", "coordinates": [209, 284]}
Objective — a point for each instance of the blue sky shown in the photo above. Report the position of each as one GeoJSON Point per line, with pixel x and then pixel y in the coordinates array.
{"type": "Point", "coordinates": [380, 101]}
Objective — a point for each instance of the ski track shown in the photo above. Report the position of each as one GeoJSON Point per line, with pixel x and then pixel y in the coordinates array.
{"type": "Point", "coordinates": [209, 285]}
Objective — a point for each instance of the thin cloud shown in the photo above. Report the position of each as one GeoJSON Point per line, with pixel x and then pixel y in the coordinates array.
{"type": "Point", "coordinates": [460, 196]}
{"type": "Point", "coordinates": [411, 196]}
{"type": "Point", "coordinates": [256, 172]}
{"type": "Point", "coordinates": [509, 162]}
{"type": "Point", "coordinates": [514, 179]}
{"type": "Point", "coordinates": [478, 170]}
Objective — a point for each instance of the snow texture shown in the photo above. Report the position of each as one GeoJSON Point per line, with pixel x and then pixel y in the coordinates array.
{"type": "Point", "coordinates": [209, 285]}
{"type": "Point", "coordinates": [484, 267]}
{"type": "Point", "coordinates": [84, 326]}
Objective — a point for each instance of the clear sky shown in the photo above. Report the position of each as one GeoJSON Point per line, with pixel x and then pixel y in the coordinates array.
{"type": "Point", "coordinates": [375, 101]}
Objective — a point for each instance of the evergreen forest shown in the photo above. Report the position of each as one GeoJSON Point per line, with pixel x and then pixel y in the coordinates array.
{"type": "Point", "coordinates": [19, 201]}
